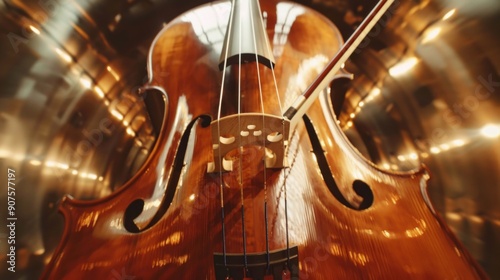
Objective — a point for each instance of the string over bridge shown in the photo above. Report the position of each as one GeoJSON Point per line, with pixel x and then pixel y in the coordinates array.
{"type": "Point", "coordinates": [236, 131]}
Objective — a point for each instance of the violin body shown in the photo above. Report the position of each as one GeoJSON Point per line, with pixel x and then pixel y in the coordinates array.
{"type": "Point", "coordinates": [166, 222]}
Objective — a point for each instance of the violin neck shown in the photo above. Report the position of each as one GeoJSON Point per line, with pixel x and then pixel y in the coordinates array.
{"type": "Point", "coordinates": [246, 37]}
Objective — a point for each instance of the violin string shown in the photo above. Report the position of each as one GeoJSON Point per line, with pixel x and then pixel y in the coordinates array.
{"type": "Point", "coordinates": [277, 90]}
{"type": "Point", "coordinates": [262, 136]}
{"type": "Point", "coordinates": [221, 186]}
{"type": "Point", "coordinates": [286, 221]}
{"type": "Point", "coordinates": [240, 148]}
{"type": "Point", "coordinates": [287, 235]}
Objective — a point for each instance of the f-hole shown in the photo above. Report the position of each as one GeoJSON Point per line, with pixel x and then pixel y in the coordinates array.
{"type": "Point", "coordinates": [136, 207]}
{"type": "Point", "coordinates": [361, 188]}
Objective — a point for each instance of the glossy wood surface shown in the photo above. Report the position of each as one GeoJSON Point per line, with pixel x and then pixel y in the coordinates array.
{"type": "Point", "coordinates": [397, 237]}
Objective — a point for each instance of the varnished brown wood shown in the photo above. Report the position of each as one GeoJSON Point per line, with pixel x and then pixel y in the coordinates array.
{"type": "Point", "coordinates": [398, 237]}
{"type": "Point", "coordinates": [303, 103]}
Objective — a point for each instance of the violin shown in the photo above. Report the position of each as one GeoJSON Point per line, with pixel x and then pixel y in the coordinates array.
{"type": "Point", "coordinates": [251, 176]}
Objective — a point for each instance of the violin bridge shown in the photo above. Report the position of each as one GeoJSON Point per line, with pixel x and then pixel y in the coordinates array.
{"type": "Point", "coordinates": [236, 131]}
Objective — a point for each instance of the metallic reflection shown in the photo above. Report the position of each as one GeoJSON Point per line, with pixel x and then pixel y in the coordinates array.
{"type": "Point", "coordinates": [435, 71]}
{"type": "Point", "coordinates": [425, 91]}
{"type": "Point", "coordinates": [70, 120]}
